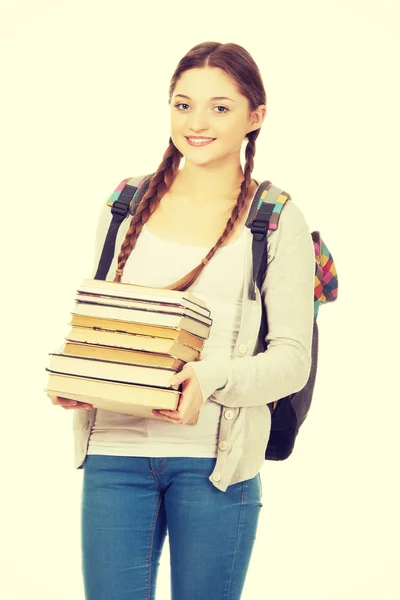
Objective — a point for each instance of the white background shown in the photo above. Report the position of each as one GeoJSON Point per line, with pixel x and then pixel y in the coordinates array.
{"type": "Point", "coordinates": [84, 90]}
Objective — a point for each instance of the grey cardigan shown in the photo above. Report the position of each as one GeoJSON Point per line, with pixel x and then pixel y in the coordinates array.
{"type": "Point", "coordinates": [253, 377]}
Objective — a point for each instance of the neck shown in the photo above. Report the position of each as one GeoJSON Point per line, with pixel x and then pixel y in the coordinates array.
{"type": "Point", "coordinates": [208, 182]}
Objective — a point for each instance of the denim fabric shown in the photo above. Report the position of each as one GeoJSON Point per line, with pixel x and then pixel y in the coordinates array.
{"type": "Point", "coordinates": [129, 504]}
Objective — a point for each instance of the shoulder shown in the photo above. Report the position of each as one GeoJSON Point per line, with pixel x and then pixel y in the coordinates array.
{"type": "Point", "coordinates": [292, 219]}
{"type": "Point", "coordinates": [134, 181]}
{"type": "Point", "coordinates": [110, 199]}
{"type": "Point", "coordinates": [105, 216]}
{"type": "Point", "coordinates": [292, 225]}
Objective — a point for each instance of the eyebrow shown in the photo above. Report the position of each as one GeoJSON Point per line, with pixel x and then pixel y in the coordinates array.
{"type": "Point", "coordinates": [213, 98]}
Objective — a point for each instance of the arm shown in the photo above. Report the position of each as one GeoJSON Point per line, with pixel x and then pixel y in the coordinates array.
{"type": "Point", "coordinates": [288, 295]}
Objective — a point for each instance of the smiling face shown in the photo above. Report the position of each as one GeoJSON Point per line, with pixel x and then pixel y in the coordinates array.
{"type": "Point", "coordinates": [207, 104]}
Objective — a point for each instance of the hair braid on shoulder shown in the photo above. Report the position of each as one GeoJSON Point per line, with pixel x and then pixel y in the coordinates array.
{"type": "Point", "coordinates": [186, 281]}
{"type": "Point", "coordinates": [159, 184]}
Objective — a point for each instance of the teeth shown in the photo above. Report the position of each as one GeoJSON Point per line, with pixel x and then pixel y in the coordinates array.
{"type": "Point", "coordinates": [200, 141]}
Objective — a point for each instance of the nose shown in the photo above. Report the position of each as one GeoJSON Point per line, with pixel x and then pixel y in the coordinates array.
{"type": "Point", "coordinates": [198, 122]}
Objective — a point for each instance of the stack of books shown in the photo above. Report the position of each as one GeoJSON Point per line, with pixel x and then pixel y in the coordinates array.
{"type": "Point", "coordinates": [125, 344]}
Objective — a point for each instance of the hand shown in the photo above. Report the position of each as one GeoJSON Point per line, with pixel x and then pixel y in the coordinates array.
{"type": "Point", "coordinates": [190, 401]}
{"type": "Point", "coordinates": [67, 403]}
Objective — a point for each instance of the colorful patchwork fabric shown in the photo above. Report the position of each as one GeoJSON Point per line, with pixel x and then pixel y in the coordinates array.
{"type": "Point", "coordinates": [326, 280]}
{"type": "Point", "coordinates": [116, 193]}
{"type": "Point", "coordinates": [279, 204]}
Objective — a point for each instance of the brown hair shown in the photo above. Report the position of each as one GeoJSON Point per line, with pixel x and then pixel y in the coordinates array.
{"type": "Point", "coordinates": [237, 63]}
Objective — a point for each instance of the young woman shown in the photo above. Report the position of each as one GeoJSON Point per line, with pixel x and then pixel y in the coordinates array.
{"type": "Point", "coordinates": [144, 477]}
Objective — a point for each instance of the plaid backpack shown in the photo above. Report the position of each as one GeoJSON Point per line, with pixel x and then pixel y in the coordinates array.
{"type": "Point", "coordinates": [288, 413]}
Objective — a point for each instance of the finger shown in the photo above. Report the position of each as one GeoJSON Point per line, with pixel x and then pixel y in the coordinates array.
{"type": "Point", "coordinates": [58, 399]}
{"type": "Point", "coordinates": [166, 418]}
{"type": "Point", "coordinates": [77, 407]}
{"type": "Point", "coordinates": [172, 414]}
{"type": "Point", "coordinates": [67, 403]}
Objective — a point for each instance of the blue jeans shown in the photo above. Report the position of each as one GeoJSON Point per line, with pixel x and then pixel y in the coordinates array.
{"type": "Point", "coordinates": [128, 502]}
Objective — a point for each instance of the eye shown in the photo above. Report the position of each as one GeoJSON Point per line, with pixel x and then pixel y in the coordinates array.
{"type": "Point", "coordinates": [218, 111]}
{"type": "Point", "coordinates": [224, 107]}
{"type": "Point", "coordinates": [181, 104]}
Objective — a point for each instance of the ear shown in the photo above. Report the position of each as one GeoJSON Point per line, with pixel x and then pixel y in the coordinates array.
{"type": "Point", "coordinates": [257, 117]}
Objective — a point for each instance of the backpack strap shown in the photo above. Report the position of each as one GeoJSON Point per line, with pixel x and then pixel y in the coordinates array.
{"type": "Point", "coordinates": [264, 216]}
{"type": "Point", "coordinates": [121, 201]}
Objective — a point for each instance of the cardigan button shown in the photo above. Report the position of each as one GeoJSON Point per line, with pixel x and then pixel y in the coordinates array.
{"type": "Point", "coordinates": [228, 414]}
{"type": "Point", "coordinates": [243, 348]}
{"type": "Point", "coordinates": [216, 476]}
{"type": "Point", "coordinates": [223, 445]}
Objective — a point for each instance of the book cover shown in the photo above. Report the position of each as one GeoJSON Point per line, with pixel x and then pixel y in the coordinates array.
{"type": "Point", "coordinates": [138, 328]}
{"type": "Point", "coordinates": [110, 370]}
{"type": "Point", "coordinates": [177, 307]}
{"type": "Point", "coordinates": [144, 317]}
{"type": "Point", "coordinates": [138, 292]}
{"type": "Point", "coordinates": [131, 341]}
{"type": "Point", "coordinates": [116, 397]}
{"type": "Point", "coordinates": [122, 355]}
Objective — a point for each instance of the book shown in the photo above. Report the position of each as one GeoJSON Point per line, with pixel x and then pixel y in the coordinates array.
{"type": "Point", "coordinates": [129, 341]}
{"type": "Point", "coordinates": [140, 292]}
{"type": "Point", "coordinates": [125, 344]}
{"type": "Point", "coordinates": [151, 359]}
{"type": "Point", "coordinates": [69, 364]}
{"type": "Point", "coordinates": [116, 397]}
{"type": "Point", "coordinates": [137, 328]}
{"type": "Point", "coordinates": [180, 307]}
{"type": "Point", "coordinates": [144, 317]}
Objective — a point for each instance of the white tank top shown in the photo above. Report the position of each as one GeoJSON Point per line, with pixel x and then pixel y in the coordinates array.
{"type": "Point", "coordinates": [157, 262]}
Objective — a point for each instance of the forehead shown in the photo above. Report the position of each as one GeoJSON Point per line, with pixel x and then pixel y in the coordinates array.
{"type": "Point", "coordinates": [201, 84]}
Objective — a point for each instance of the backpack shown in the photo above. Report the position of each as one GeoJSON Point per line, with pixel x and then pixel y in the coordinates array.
{"type": "Point", "coordinates": [288, 413]}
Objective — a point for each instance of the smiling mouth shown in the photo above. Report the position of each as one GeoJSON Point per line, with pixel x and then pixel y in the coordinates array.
{"type": "Point", "coordinates": [199, 141]}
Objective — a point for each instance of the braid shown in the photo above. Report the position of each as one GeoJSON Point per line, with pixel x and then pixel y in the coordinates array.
{"type": "Point", "coordinates": [186, 281]}
{"type": "Point", "coordinates": [159, 184]}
